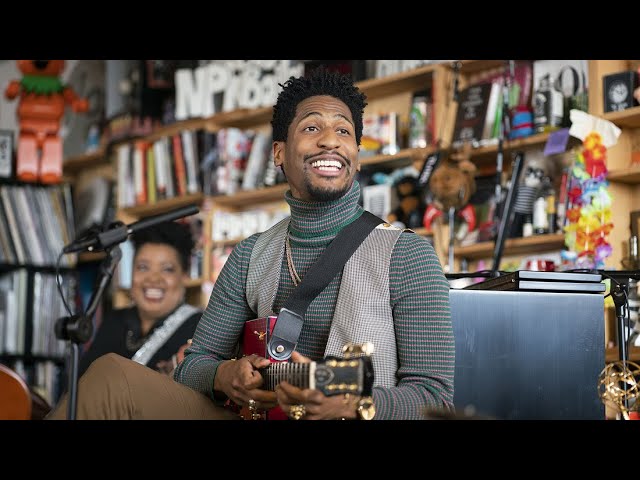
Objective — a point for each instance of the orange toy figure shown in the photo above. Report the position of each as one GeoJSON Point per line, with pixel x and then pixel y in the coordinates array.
{"type": "Point", "coordinates": [42, 102]}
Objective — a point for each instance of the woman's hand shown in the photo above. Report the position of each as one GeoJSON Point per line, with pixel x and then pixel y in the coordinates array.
{"type": "Point", "coordinates": [168, 366]}
{"type": "Point", "coordinates": [240, 381]}
{"type": "Point", "coordinates": [317, 406]}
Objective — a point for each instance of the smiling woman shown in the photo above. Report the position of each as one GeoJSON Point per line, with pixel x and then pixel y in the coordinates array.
{"type": "Point", "coordinates": [152, 331]}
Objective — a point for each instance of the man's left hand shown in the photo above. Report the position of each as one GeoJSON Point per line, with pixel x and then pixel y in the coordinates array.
{"type": "Point", "coordinates": [317, 406]}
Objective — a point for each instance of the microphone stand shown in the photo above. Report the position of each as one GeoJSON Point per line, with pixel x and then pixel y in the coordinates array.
{"type": "Point", "coordinates": [504, 131]}
{"type": "Point", "coordinates": [78, 329]}
{"type": "Point", "coordinates": [619, 289]}
{"type": "Point", "coordinates": [507, 209]}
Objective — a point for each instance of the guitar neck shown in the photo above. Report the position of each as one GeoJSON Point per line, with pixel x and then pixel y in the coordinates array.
{"type": "Point", "coordinates": [297, 374]}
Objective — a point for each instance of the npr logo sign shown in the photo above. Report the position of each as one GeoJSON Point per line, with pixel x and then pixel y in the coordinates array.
{"type": "Point", "coordinates": [221, 86]}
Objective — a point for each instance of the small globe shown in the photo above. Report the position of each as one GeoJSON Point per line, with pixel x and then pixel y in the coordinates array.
{"type": "Point", "coordinates": [618, 386]}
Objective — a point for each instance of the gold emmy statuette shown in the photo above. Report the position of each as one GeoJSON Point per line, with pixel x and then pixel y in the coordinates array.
{"type": "Point", "coordinates": [618, 387]}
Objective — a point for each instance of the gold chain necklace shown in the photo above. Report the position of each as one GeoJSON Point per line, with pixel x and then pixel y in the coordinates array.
{"type": "Point", "coordinates": [292, 268]}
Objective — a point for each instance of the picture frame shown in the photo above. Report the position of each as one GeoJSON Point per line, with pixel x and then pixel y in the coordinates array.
{"type": "Point", "coordinates": [160, 73]}
{"type": "Point", "coordinates": [6, 153]}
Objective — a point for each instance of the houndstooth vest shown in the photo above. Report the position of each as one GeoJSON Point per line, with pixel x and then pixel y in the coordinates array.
{"type": "Point", "coordinates": [363, 309]}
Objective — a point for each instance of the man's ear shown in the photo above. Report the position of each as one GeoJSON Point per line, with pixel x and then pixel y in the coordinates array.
{"type": "Point", "coordinates": [278, 153]}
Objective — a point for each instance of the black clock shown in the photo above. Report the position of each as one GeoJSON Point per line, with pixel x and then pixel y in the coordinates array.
{"type": "Point", "coordinates": [618, 91]}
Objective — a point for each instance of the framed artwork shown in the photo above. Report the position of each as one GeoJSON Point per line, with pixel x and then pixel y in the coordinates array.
{"type": "Point", "coordinates": [6, 153]}
{"type": "Point", "coordinates": [160, 73]}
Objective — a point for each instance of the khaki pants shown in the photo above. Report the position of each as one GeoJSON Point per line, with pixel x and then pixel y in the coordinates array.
{"type": "Point", "coordinates": [115, 388]}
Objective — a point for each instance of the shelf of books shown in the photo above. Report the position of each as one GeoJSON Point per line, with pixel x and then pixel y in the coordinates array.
{"type": "Point", "coordinates": [411, 80]}
{"type": "Point", "coordinates": [35, 224]}
{"type": "Point", "coordinates": [513, 246]}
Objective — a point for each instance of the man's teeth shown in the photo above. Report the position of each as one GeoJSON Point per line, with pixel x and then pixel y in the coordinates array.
{"type": "Point", "coordinates": [326, 164]}
{"type": "Point", "coordinates": [154, 293]}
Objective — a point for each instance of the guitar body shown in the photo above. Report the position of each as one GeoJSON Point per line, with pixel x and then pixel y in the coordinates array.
{"type": "Point", "coordinates": [254, 341]}
{"type": "Point", "coordinates": [352, 374]}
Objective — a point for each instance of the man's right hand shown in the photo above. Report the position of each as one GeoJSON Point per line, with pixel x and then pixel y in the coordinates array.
{"type": "Point", "coordinates": [240, 381]}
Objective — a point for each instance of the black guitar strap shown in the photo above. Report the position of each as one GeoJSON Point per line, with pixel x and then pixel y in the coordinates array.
{"type": "Point", "coordinates": [289, 323]}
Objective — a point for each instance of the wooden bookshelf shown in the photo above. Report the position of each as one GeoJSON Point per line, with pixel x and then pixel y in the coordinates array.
{"type": "Point", "coordinates": [174, 128]}
{"type": "Point", "coordinates": [194, 282]}
{"type": "Point", "coordinates": [536, 140]}
{"type": "Point", "coordinates": [163, 205]}
{"type": "Point", "coordinates": [485, 157]}
{"type": "Point", "coordinates": [629, 118]}
{"type": "Point", "coordinates": [412, 80]}
{"type": "Point", "coordinates": [404, 156]}
{"type": "Point", "coordinates": [242, 118]}
{"type": "Point", "coordinates": [90, 257]}
{"type": "Point", "coordinates": [630, 176]}
{"type": "Point", "coordinates": [75, 164]}
{"type": "Point", "coordinates": [612, 354]}
{"type": "Point", "coordinates": [252, 197]}
{"type": "Point", "coordinates": [513, 246]}
{"type": "Point", "coordinates": [476, 66]}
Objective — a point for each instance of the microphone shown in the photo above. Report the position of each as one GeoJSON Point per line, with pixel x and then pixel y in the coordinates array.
{"type": "Point", "coordinates": [119, 232]}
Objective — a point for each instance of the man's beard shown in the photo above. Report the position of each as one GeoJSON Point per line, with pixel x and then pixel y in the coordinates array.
{"type": "Point", "coordinates": [319, 194]}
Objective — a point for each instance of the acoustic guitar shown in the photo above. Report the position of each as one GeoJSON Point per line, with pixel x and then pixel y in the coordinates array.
{"type": "Point", "coordinates": [352, 374]}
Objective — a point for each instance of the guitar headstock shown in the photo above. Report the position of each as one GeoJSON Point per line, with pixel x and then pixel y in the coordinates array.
{"type": "Point", "coordinates": [351, 374]}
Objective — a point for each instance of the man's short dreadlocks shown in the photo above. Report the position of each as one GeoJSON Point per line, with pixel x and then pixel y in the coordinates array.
{"type": "Point", "coordinates": [321, 82]}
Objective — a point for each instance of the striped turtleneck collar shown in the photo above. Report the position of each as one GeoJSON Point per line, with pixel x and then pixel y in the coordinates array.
{"type": "Point", "coordinates": [321, 221]}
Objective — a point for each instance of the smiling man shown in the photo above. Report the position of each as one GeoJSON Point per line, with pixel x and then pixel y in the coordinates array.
{"type": "Point", "coordinates": [392, 292]}
{"type": "Point", "coordinates": [319, 153]}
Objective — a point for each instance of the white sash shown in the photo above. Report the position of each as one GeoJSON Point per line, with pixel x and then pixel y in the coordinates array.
{"type": "Point", "coordinates": [162, 334]}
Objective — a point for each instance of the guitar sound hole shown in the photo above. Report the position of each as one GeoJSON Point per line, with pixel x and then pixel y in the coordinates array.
{"type": "Point", "coordinates": [323, 375]}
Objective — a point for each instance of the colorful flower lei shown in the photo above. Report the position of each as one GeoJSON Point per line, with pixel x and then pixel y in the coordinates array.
{"type": "Point", "coordinates": [588, 220]}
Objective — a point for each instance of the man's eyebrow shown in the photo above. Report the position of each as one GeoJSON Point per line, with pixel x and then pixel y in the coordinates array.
{"type": "Point", "coordinates": [340, 115]}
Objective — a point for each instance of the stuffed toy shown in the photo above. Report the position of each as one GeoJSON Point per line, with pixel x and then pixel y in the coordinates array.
{"type": "Point", "coordinates": [40, 110]}
{"type": "Point", "coordinates": [409, 212]}
{"type": "Point", "coordinates": [535, 171]}
{"type": "Point", "coordinates": [451, 185]}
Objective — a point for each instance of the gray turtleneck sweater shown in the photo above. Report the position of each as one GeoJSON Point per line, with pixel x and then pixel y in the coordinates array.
{"type": "Point", "coordinates": [419, 294]}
